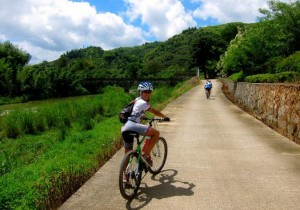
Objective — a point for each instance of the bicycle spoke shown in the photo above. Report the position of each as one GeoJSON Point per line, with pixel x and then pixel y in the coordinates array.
{"type": "Point", "coordinates": [128, 177]}
{"type": "Point", "coordinates": [159, 156]}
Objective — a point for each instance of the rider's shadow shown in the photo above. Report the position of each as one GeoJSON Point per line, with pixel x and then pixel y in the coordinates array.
{"type": "Point", "coordinates": [168, 186]}
{"type": "Point", "coordinates": [212, 97]}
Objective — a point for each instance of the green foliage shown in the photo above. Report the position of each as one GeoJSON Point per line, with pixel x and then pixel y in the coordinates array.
{"type": "Point", "coordinates": [291, 77]}
{"type": "Point", "coordinates": [287, 15]}
{"type": "Point", "coordinates": [12, 60]}
{"type": "Point", "coordinates": [290, 63]}
{"type": "Point", "coordinates": [230, 48]}
{"type": "Point", "coordinates": [19, 99]}
{"type": "Point", "coordinates": [171, 72]}
{"type": "Point", "coordinates": [11, 124]}
{"type": "Point", "coordinates": [91, 52]}
{"type": "Point", "coordinates": [237, 77]}
{"type": "Point", "coordinates": [61, 114]}
{"type": "Point", "coordinates": [256, 48]}
{"type": "Point", "coordinates": [74, 72]}
{"type": "Point", "coordinates": [42, 171]}
{"type": "Point", "coordinates": [209, 44]}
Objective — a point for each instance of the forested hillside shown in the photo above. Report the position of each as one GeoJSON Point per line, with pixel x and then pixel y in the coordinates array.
{"type": "Point", "coordinates": [178, 57]}
{"type": "Point", "coordinates": [49, 149]}
{"type": "Point", "coordinates": [267, 47]}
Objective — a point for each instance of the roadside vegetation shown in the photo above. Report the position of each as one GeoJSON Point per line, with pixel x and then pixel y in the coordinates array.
{"type": "Point", "coordinates": [268, 49]}
{"type": "Point", "coordinates": [48, 152]}
{"type": "Point", "coordinates": [283, 77]}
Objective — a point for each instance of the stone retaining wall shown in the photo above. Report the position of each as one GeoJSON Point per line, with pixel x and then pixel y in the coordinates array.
{"type": "Point", "coordinates": [277, 105]}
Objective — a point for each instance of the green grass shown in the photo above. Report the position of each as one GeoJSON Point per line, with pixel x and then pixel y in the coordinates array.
{"type": "Point", "coordinates": [47, 159]}
{"type": "Point", "coordinates": [61, 114]}
{"type": "Point", "coordinates": [283, 77]}
{"type": "Point", "coordinates": [237, 77]}
{"type": "Point", "coordinates": [40, 170]}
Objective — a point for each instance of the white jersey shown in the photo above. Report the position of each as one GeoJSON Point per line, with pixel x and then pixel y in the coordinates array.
{"type": "Point", "coordinates": [139, 109]}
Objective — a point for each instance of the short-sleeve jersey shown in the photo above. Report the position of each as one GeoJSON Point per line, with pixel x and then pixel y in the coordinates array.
{"type": "Point", "coordinates": [139, 109]}
{"type": "Point", "coordinates": [208, 85]}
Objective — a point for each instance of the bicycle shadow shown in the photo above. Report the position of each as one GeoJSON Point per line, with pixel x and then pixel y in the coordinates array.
{"type": "Point", "coordinates": [212, 97]}
{"type": "Point", "coordinates": [168, 186]}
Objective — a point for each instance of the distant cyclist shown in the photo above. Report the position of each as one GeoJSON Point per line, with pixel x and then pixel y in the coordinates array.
{"type": "Point", "coordinates": [208, 87]}
{"type": "Point", "coordinates": [141, 106]}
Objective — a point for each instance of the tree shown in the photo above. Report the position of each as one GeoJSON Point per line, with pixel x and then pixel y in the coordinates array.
{"type": "Point", "coordinates": [152, 67]}
{"type": "Point", "coordinates": [287, 15]}
{"type": "Point", "coordinates": [206, 46]}
{"type": "Point", "coordinates": [254, 50]}
{"type": "Point", "coordinates": [13, 60]}
{"type": "Point", "coordinates": [132, 70]}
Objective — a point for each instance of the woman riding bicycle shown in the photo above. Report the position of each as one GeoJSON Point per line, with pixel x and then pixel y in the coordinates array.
{"type": "Point", "coordinates": [141, 106]}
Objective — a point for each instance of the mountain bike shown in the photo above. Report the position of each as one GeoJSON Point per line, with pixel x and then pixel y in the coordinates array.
{"type": "Point", "coordinates": [134, 164]}
{"type": "Point", "coordinates": [207, 93]}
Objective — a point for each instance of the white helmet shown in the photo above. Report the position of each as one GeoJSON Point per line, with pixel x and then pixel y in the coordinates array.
{"type": "Point", "coordinates": [145, 86]}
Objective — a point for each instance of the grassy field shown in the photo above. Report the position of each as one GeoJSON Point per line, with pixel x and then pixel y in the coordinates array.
{"type": "Point", "coordinates": [48, 152]}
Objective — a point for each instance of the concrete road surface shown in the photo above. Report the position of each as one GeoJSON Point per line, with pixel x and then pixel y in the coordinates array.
{"type": "Point", "coordinates": [219, 158]}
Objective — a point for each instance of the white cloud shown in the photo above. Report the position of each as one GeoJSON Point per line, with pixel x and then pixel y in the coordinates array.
{"type": "Point", "coordinates": [225, 11]}
{"type": "Point", "coordinates": [164, 18]}
{"type": "Point", "coordinates": [38, 54]}
{"type": "Point", "coordinates": [46, 28]}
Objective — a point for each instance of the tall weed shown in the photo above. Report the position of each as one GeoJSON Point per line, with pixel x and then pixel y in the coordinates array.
{"type": "Point", "coordinates": [11, 124]}
{"type": "Point", "coordinates": [43, 170]}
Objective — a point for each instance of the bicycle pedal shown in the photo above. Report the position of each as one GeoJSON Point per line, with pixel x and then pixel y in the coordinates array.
{"type": "Point", "coordinates": [128, 186]}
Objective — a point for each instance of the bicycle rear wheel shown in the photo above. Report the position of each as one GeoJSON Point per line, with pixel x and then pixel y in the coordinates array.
{"type": "Point", "coordinates": [129, 176]}
{"type": "Point", "coordinates": [159, 156]}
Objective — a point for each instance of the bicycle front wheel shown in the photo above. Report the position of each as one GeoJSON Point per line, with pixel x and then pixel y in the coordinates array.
{"type": "Point", "coordinates": [159, 156]}
{"type": "Point", "coordinates": [129, 178]}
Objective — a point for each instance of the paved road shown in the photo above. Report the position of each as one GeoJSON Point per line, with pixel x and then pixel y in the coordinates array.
{"type": "Point", "coordinates": [219, 158]}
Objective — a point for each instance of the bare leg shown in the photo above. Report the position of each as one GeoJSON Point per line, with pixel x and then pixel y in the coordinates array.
{"type": "Point", "coordinates": [154, 134]}
{"type": "Point", "coordinates": [127, 150]}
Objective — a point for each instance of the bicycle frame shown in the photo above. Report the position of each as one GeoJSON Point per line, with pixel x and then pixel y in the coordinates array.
{"type": "Point", "coordinates": [139, 148]}
{"type": "Point", "coordinates": [140, 142]}
{"type": "Point", "coordinates": [134, 164]}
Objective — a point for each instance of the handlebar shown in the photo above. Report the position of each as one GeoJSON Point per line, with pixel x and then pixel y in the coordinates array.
{"type": "Point", "coordinates": [151, 120]}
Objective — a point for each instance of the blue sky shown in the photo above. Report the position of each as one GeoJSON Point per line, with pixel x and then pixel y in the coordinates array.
{"type": "Point", "coordinates": [48, 28]}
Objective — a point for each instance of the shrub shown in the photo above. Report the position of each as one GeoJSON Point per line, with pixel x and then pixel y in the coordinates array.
{"type": "Point", "coordinates": [291, 63]}
{"type": "Point", "coordinates": [289, 77]}
{"type": "Point", "coordinates": [11, 123]}
{"type": "Point", "coordinates": [237, 77]}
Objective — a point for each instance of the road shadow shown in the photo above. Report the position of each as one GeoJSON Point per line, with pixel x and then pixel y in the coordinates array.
{"type": "Point", "coordinates": [167, 186]}
{"type": "Point", "coordinates": [212, 98]}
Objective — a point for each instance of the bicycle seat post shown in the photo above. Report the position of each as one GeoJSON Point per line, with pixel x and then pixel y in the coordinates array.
{"type": "Point", "coordinates": [137, 139]}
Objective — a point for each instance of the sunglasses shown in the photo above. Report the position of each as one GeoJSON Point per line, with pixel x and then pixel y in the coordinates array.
{"type": "Point", "coordinates": [147, 91]}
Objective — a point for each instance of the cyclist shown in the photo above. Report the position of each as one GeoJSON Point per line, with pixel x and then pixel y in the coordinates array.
{"type": "Point", "coordinates": [208, 87]}
{"type": "Point", "coordinates": [141, 106]}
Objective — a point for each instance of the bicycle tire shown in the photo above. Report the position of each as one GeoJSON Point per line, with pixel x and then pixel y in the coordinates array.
{"type": "Point", "coordinates": [130, 166]}
{"type": "Point", "coordinates": [159, 156]}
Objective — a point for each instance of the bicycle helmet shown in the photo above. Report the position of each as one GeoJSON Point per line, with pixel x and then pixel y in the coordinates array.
{"type": "Point", "coordinates": [145, 86]}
